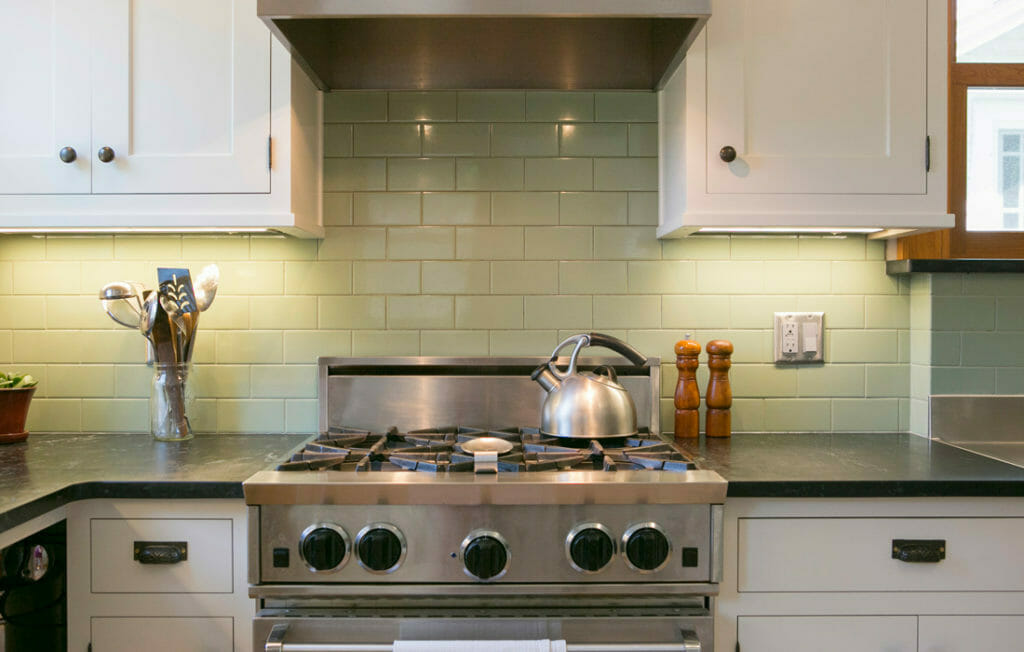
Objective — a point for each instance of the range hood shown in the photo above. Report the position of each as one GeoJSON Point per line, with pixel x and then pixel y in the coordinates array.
{"type": "Point", "coordinates": [487, 44]}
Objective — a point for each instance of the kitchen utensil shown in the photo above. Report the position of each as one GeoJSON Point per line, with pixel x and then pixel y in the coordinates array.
{"type": "Point", "coordinates": [687, 396]}
{"type": "Point", "coordinates": [121, 302]}
{"type": "Point", "coordinates": [719, 395]}
{"type": "Point", "coordinates": [485, 445]}
{"type": "Point", "coordinates": [587, 405]}
{"type": "Point", "coordinates": [205, 286]}
{"type": "Point", "coordinates": [149, 314]}
{"type": "Point", "coordinates": [485, 452]}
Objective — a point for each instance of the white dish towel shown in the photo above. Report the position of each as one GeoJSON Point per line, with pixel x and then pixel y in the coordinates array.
{"type": "Point", "coordinates": [542, 645]}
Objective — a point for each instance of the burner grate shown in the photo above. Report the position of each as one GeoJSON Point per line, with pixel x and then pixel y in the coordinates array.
{"type": "Point", "coordinates": [436, 450]}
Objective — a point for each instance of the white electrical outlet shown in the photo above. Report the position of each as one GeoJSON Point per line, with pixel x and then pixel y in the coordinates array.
{"type": "Point", "coordinates": [789, 337]}
{"type": "Point", "coordinates": [799, 337]}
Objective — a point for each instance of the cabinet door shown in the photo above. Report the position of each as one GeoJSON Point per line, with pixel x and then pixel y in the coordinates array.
{"type": "Point", "coordinates": [134, 634]}
{"type": "Point", "coordinates": [44, 96]}
{"type": "Point", "coordinates": [832, 633]}
{"type": "Point", "coordinates": [958, 633]}
{"type": "Point", "coordinates": [181, 94]}
{"type": "Point", "coordinates": [817, 96]}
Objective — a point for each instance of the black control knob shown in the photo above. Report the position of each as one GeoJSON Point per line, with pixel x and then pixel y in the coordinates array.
{"type": "Point", "coordinates": [485, 557]}
{"type": "Point", "coordinates": [380, 549]}
{"type": "Point", "coordinates": [647, 548]}
{"type": "Point", "coordinates": [591, 549]}
{"type": "Point", "coordinates": [323, 548]}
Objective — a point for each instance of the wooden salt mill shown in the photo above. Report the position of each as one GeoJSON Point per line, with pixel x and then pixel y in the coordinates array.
{"type": "Point", "coordinates": [687, 399]}
{"type": "Point", "coordinates": [719, 394]}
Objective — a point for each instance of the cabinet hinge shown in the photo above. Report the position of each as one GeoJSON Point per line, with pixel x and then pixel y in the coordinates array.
{"type": "Point", "coordinates": [270, 153]}
{"type": "Point", "coordinates": [927, 153]}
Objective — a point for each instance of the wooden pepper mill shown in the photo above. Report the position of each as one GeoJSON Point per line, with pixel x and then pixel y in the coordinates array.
{"type": "Point", "coordinates": [687, 393]}
{"type": "Point", "coordinates": [719, 395]}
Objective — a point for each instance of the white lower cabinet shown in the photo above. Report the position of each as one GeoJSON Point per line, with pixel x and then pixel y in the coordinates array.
{"type": "Point", "coordinates": [134, 634]}
{"type": "Point", "coordinates": [960, 633]}
{"type": "Point", "coordinates": [158, 575]}
{"type": "Point", "coordinates": [872, 575]}
{"type": "Point", "coordinates": [832, 633]}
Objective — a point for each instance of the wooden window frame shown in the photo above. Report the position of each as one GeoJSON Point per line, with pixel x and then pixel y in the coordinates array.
{"type": "Point", "coordinates": [958, 242]}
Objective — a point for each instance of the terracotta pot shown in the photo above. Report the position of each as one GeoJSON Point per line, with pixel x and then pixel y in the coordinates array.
{"type": "Point", "coordinates": [13, 413]}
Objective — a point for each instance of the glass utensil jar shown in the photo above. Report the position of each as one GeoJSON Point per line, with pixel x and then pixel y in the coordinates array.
{"type": "Point", "coordinates": [171, 400]}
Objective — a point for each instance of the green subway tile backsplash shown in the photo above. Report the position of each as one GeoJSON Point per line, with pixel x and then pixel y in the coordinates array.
{"type": "Point", "coordinates": [494, 223]}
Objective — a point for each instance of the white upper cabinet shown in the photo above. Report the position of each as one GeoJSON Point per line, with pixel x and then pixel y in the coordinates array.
{"type": "Point", "coordinates": [808, 113]}
{"type": "Point", "coordinates": [183, 115]}
{"type": "Point", "coordinates": [181, 96]}
{"type": "Point", "coordinates": [44, 93]}
{"type": "Point", "coordinates": [817, 96]}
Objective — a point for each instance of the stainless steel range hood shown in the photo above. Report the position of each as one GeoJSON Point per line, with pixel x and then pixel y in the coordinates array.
{"type": "Point", "coordinates": [487, 44]}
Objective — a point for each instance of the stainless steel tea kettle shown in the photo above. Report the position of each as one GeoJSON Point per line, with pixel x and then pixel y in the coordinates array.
{"type": "Point", "coordinates": [587, 405]}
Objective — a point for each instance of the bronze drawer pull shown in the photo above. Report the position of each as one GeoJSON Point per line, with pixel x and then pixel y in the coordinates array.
{"type": "Point", "coordinates": [927, 551]}
{"type": "Point", "coordinates": [160, 552]}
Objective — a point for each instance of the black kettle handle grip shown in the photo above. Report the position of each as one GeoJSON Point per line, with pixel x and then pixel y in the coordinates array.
{"type": "Point", "coordinates": [620, 347]}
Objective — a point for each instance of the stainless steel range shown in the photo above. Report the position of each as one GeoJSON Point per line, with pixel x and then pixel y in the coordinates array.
{"type": "Point", "coordinates": [392, 530]}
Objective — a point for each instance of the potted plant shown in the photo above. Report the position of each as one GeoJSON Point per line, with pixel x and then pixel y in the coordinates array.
{"type": "Point", "coordinates": [16, 392]}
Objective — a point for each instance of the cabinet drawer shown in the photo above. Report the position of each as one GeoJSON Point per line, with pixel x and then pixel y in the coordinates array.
{"type": "Point", "coordinates": [207, 568]}
{"type": "Point", "coordinates": [832, 633]}
{"type": "Point", "coordinates": [133, 634]}
{"type": "Point", "coordinates": [855, 554]}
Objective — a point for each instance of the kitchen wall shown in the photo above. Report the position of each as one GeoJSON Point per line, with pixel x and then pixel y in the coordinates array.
{"type": "Point", "coordinates": [472, 223]}
{"type": "Point", "coordinates": [975, 344]}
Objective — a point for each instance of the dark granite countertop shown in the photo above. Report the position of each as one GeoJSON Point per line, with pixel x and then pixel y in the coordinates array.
{"type": "Point", "coordinates": [955, 265]}
{"type": "Point", "coordinates": [48, 471]}
{"type": "Point", "coordinates": [852, 465]}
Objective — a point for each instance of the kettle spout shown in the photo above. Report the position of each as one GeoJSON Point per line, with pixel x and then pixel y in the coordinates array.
{"type": "Point", "coordinates": [545, 378]}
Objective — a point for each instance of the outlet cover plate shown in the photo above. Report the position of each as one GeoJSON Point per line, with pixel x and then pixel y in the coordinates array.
{"type": "Point", "coordinates": [810, 337]}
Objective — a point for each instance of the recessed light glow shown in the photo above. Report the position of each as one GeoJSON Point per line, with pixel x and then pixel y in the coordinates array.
{"type": "Point", "coordinates": [130, 230]}
{"type": "Point", "coordinates": [783, 229]}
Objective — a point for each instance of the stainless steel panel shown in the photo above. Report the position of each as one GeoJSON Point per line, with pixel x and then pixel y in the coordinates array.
{"type": "Point", "coordinates": [651, 630]}
{"type": "Point", "coordinates": [528, 44]}
{"type": "Point", "coordinates": [426, 392]}
{"type": "Point", "coordinates": [540, 488]}
{"type": "Point", "coordinates": [253, 547]}
{"type": "Point", "coordinates": [965, 417]}
{"type": "Point", "coordinates": [535, 535]}
{"type": "Point", "coordinates": [646, 593]}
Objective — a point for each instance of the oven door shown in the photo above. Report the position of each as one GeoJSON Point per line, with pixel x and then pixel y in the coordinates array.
{"type": "Point", "coordinates": [325, 630]}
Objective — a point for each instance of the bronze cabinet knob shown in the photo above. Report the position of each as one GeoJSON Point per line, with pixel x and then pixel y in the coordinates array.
{"type": "Point", "coordinates": [105, 154]}
{"type": "Point", "coordinates": [727, 153]}
{"type": "Point", "coordinates": [68, 154]}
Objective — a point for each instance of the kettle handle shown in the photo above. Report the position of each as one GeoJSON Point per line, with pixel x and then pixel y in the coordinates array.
{"type": "Point", "coordinates": [620, 347]}
{"type": "Point", "coordinates": [581, 341]}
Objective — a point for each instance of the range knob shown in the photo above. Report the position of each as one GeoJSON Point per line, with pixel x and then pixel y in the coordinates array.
{"type": "Point", "coordinates": [646, 547]}
{"type": "Point", "coordinates": [485, 555]}
{"type": "Point", "coordinates": [381, 547]}
{"type": "Point", "coordinates": [324, 547]}
{"type": "Point", "coordinates": [590, 547]}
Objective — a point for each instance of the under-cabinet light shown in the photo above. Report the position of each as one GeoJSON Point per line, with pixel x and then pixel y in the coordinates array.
{"type": "Point", "coordinates": [129, 230]}
{"type": "Point", "coordinates": [783, 229]}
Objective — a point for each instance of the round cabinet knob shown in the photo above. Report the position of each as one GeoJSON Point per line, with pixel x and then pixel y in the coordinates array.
{"type": "Point", "coordinates": [105, 154]}
{"type": "Point", "coordinates": [485, 555]}
{"type": "Point", "coordinates": [646, 547]}
{"type": "Point", "coordinates": [381, 548]}
{"type": "Point", "coordinates": [590, 547]}
{"type": "Point", "coordinates": [727, 153]}
{"type": "Point", "coordinates": [324, 547]}
{"type": "Point", "coordinates": [68, 154]}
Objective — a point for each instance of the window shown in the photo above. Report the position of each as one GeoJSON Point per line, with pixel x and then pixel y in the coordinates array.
{"type": "Point", "coordinates": [986, 135]}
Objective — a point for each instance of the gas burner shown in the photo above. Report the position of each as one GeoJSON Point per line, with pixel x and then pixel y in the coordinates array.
{"type": "Point", "coordinates": [438, 450]}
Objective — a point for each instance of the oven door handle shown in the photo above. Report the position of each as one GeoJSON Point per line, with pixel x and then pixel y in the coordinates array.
{"type": "Point", "coordinates": [276, 643]}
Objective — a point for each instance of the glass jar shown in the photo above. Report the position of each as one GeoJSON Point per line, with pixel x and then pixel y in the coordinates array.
{"type": "Point", "coordinates": [171, 400]}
